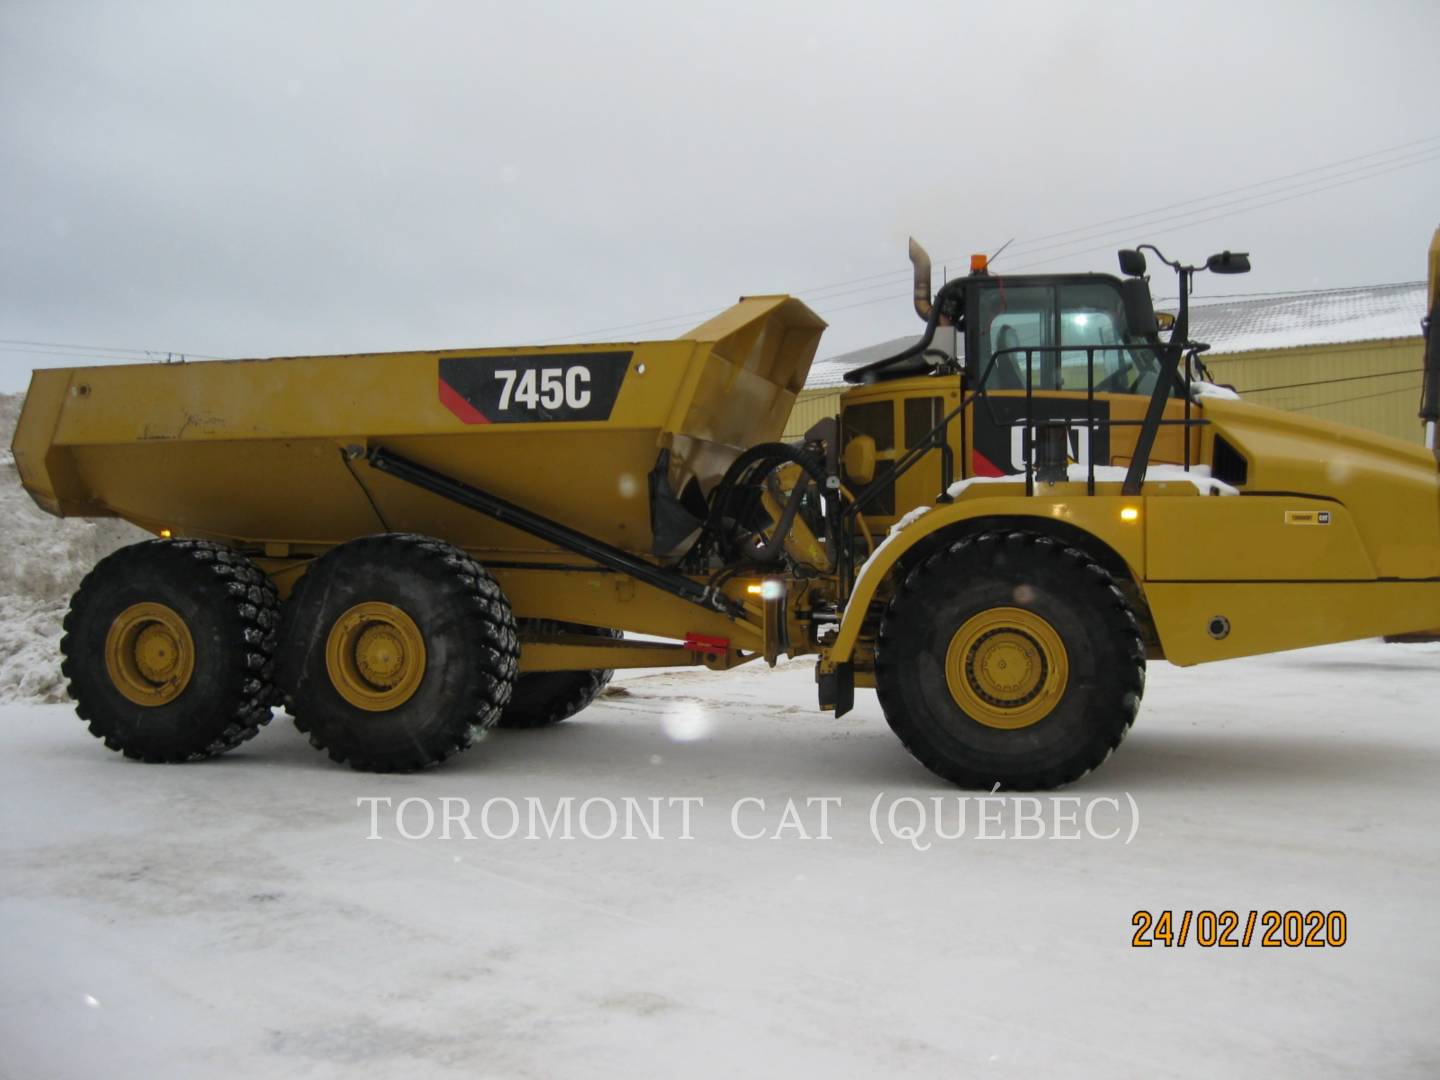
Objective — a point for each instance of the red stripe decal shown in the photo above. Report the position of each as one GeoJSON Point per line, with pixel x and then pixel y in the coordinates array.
{"type": "Point", "coordinates": [459, 406]}
{"type": "Point", "coordinates": [980, 465]}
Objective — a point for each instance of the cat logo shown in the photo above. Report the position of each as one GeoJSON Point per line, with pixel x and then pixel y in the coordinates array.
{"type": "Point", "coordinates": [1307, 517]}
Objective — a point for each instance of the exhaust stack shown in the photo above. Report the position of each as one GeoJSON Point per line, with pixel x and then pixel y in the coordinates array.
{"type": "Point", "coordinates": [921, 260]}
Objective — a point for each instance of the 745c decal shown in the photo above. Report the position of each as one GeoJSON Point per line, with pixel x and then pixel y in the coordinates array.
{"type": "Point", "coordinates": [533, 389]}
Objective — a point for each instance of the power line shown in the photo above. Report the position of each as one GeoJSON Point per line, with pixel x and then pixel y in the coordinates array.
{"type": "Point", "coordinates": [1246, 187]}
{"type": "Point", "coordinates": [871, 282]}
{"type": "Point", "coordinates": [1173, 222]}
{"type": "Point", "coordinates": [1136, 220]}
{"type": "Point", "coordinates": [57, 355]}
{"type": "Point", "coordinates": [1233, 213]}
{"type": "Point", "coordinates": [109, 349]}
{"type": "Point", "coordinates": [667, 319]}
{"type": "Point", "coordinates": [1159, 224]}
{"type": "Point", "coordinates": [1347, 400]}
{"type": "Point", "coordinates": [880, 280]}
{"type": "Point", "coordinates": [1195, 299]}
{"type": "Point", "coordinates": [1326, 382]}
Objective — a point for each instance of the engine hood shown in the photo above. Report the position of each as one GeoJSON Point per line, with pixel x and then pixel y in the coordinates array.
{"type": "Point", "coordinates": [1391, 488]}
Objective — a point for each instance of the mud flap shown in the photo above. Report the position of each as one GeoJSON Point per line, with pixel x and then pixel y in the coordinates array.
{"type": "Point", "coordinates": [837, 688]}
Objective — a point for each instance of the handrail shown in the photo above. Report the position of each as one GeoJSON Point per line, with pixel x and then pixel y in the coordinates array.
{"type": "Point", "coordinates": [1091, 423]}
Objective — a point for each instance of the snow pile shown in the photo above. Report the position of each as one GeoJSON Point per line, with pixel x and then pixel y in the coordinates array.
{"type": "Point", "coordinates": [1198, 475]}
{"type": "Point", "coordinates": [1200, 389]}
{"type": "Point", "coordinates": [45, 559]}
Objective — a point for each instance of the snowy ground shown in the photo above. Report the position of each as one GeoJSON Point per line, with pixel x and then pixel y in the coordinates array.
{"type": "Point", "coordinates": [232, 918]}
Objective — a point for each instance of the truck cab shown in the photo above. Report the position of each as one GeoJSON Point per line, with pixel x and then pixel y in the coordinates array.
{"type": "Point", "coordinates": [1028, 351]}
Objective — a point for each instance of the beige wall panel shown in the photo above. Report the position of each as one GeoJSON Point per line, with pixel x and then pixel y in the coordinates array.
{"type": "Point", "coordinates": [1369, 384]}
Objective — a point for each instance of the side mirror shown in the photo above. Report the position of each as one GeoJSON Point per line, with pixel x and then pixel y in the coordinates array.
{"type": "Point", "coordinates": [1132, 263]}
{"type": "Point", "coordinates": [860, 459]}
{"type": "Point", "coordinates": [1165, 320]}
{"type": "Point", "coordinates": [1139, 311]}
{"type": "Point", "coordinates": [1229, 262]}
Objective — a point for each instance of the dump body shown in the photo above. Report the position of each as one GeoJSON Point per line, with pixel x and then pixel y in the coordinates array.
{"type": "Point", "coordinates": [255, 452]}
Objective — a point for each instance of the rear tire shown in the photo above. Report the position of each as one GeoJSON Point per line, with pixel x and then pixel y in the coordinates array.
{"type": "Point", "coordinates": [397, 650]}
{"type": "Point", "coordinates": [167, 648]}
{"type": "Point", "coordinates": [542, 698]}
{"type": "Point", "coordinates": [1010, 658]}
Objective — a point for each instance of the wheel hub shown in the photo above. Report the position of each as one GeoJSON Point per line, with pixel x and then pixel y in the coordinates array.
{"type": "Point", "coordinates": [149, 654]}
{"type": "Point", "coordinates": [380, 655]}
{"type": "Point", "coordinates": [1006, 668]}
{"type": "Point", "coordinates": [375, 656]}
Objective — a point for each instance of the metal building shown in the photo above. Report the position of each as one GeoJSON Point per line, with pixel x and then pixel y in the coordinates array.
{"type": "Point", "coordinates": [1348, 355]}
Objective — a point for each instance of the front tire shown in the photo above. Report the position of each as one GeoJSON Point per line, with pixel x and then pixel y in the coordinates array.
{"type": "Point", "coordinates": [1010, 658]}
{"type": "Point", "coordinates": [167, 649]}
{"type": "Point", "coordinates": [397, 651]}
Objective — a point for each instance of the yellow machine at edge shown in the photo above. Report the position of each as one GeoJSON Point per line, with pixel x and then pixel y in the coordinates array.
{"type": "Point", "coordinates": [406, 548]}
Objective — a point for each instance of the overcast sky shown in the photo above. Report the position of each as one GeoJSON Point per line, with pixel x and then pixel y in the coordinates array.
{"type": "Point", "coordinates": [252, 179]}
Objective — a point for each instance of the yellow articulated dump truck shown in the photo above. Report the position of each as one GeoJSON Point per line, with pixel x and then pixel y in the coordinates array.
{"type": "Point", "coordinates": [406, 548]}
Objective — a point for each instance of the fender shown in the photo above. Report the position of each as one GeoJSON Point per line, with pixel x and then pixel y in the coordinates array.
{"type": "Point", "coordinates": [1098, 516]}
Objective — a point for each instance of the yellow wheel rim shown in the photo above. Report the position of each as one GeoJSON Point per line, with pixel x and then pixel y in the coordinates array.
{"type": "Point", "coordinates": [149, 654]}
{"type": "Point", "coordinates": [1007, 668]}
{"type": "Point", "coordinates": [375, 656]}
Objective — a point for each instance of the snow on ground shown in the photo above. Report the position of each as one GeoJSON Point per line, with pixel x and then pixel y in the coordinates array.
{"type": "Point", "coordinates": [232, 918]}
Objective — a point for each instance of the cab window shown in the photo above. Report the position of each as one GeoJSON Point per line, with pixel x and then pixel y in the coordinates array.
{"type": "Point", "coordinates": [1011, 322]}
{"type": "Point", "coordinates": [1094, 315]}
{"type": "Point", "coordinates": [1042, 317]}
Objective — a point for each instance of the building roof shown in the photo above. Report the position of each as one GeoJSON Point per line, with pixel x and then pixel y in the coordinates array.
{"type": "Point", "coordinates": [1240, 324]}
{"type": "Point", "coordinates": [1318, 317]}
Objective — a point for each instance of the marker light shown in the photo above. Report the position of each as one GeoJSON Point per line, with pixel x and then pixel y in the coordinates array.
{"type": "Point", "coordinates": [1129, 513]}
{"type": "Point", "coordinates": [755, 589]}
{"type": "Point", "coordinates": [164, 534]}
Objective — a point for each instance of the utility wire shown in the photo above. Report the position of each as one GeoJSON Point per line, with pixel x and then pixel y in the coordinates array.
{"type": "Point", "coordinates": [1168, 228]}
{"type": "Point", "coordinates": [1161, 229]}
{"type": "Point", "coordinates": [1196, 298]}
{"type": "Point", "coordinates": [852, 286]}
{"type": "Point", "coordinates": [1327, 382]}
{"type": "Point", "coordinates": [880, 280]}
{"type": "Point", "coordinates": [109, 349]}
{"type": "Point", "coordinates": [152, 358]}
{"type": "Point", "coordinates": [1432, 139]}
{"type": "Point", "coordinates": [1141, 221]}
{"type": "Point", "coordinates": [1347, 400]}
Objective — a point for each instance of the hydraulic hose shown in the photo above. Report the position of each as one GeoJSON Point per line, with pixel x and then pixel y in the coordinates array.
{"type": "Point", "coordinates": [762, 459]}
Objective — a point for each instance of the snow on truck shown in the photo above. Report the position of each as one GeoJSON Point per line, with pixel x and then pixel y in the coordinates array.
{"type": "Point", "coordinates": [407, 548]}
